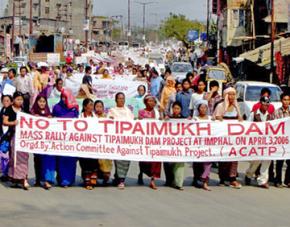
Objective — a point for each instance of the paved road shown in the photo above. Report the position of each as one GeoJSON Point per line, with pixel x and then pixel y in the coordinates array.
{"type": "Point", "coordinates": [141, 206]}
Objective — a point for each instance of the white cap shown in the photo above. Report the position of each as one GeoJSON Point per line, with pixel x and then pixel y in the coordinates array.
{"type": "Point", "coordinates": [4, 70]}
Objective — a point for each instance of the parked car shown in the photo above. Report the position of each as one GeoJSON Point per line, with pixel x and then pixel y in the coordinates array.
{"type": "Point", "coordinates": [248, 94]}
{"type": "Point", "coordinates": [180, 69]}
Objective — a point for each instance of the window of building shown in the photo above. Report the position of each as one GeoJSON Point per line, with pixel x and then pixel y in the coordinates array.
{"type": "Point", "coordinates": [46, 10]}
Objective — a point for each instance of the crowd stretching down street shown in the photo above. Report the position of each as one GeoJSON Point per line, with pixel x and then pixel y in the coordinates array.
{"type": "Point", "coordinates": [163, 97]}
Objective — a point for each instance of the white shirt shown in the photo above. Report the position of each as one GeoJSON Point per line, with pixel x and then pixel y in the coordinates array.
{"type": "Point", "coordinates": [263, 116]}
{"type": "Point", "coordinates": [194, 98]}
{"type": "Point", "coordinates": [24, 84]}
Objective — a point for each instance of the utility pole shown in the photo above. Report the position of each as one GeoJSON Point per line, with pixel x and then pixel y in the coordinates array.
{"type": "Point", "coordinates": [129, 21]}
{"type": "Point", "coordinates": [144, 4]}
{"type": "Point", "coordinates": [30, 18]}
{"type": "Point", "coordinates": [272, 40]}
{"type": "Point", "coordinates": [219, 53]}
{"type": "Point", "coordinates": [86, 31]}
{"type": "Point", "coordinates": [13, 29]}
{"type": "Point", "coordinates": [207, 21]}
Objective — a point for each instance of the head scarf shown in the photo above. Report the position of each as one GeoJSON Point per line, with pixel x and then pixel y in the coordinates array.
{"type": "Point", "coordinates": [68, 108]}
{"type": "Point", "coordinates": [167, 91]}
{"type": "Point", "coordinates": [35, 110]}
{"type": "Point", "coordinates": [70, 101]}
{"type": "Point", "coordinates": [198, 104]}
{"type": "Point", "coordinates": [226, 99]}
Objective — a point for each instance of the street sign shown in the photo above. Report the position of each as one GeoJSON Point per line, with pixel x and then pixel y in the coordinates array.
{"type": "Point", "coordinates": [86, 25]}
{"type": "Point", "coordinates": [203, 36]}
{"type": "Point", "coordinates": [192, 35]}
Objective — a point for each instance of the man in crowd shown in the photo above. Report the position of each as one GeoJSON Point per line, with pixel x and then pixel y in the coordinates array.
{"type": "Point", "coordinates": [23, 84]}
{"type": "Point", "coordinates": [260, 115]}
{"type": "Point", "coordinates": [213, 96]}
{"type": "Point", "coordinates": [184, 97]}
{"type": "Point", "coordinates": [283, 112]}
{"type": "Point", "coordinates": [265, 92]}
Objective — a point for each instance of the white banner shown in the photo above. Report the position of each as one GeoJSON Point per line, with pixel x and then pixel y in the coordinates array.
{"type": "Point", "coordinates": [106, 88]}
{"type": "Point", "coordinates": [170, 141]}
{"type": "Point", "coordinates": [109, 88]}
{"type": "Point", "coordinates": [53, 59]}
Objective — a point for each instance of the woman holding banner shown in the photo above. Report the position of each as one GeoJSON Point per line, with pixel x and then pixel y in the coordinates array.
{"type": "Point", "coordinates": [89, 166]}
{"type": "Point", "coordinates": [174, 171]}
{"type": "Point", "coordinates": [151, 169]}
{"type": "Point", "coordinates": [65, 166]}
{"type": "Point", "coordinates": [121, 112]}
{"type": "Point", "coordinates": [104, 166]}
{"type": "Point", "coordinates": [18, 163]}
{"type": "Point", "coordinates": [228, 110]}
{"type": "Point", "coordinates": [200, 113]}
{"type": "Point", "coordinates": [40, 108]}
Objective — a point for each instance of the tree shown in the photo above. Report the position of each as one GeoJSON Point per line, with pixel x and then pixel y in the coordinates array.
{"type": "Point", "coordinates": [177, 26]}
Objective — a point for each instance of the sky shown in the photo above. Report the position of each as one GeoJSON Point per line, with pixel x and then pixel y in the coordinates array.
{"type": "Point", "coordinates": [160, 9]}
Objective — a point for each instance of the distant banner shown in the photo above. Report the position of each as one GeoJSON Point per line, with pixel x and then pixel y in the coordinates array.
{"type": "Point", "coordinates": [106, 88]}
{"type": "Point", "coordinates": [109, 88]}
{"type": "Point", "coordinates": [170, 141]}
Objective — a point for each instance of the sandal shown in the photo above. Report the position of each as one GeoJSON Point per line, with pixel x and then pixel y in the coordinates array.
{"type": "Point", "coordinates": [152, 185]}
{"type": "Point", "coordinates": [25, 185]}
{"type": "Point", "coordinates": [179, 188]}
{"type": "Point", "coordinates": [121, 186]}
{"type": "Point", "coordinates": [89, 187]}
{"type": "Point", "coordinates": [235, 185]}
{"type": "Point", "coordinates": [47, 186]}
{"type": "Point", "coordinates": [206, 187]}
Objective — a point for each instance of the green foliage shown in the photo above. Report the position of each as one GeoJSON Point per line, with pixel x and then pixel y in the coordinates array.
{"type": "Point", "coordinates": [116, 34]}
{"type": "Point", "coordinates": [177, 26]}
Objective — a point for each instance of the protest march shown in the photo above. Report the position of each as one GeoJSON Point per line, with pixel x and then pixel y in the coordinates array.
{"type": "Point", "coordinates": [107, 112]}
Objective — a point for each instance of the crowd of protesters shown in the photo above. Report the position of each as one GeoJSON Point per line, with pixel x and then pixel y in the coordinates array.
{"type": "Point", "coordinates": [164, 99]}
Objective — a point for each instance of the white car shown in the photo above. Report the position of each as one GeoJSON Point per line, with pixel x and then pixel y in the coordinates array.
{"type": "Point", "coordinates": [249, 92]}
{"type": "Point", "coordinates": [180, 69]}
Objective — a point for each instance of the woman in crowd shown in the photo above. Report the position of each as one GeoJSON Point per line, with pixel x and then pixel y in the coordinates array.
{"type": "Point", "coordinates": [140, 97]}
{"type": "Point", "coordinates": [89, 166]}
{"type": "Point", "coordinates": [167, 91]}
{"type": "Point", "coordinates": [65, 166]}
{"type": "Point", "coordinates": [4, 154]}
{"type": "Point", "coordinates": [106, 75]}
{"type": "Point", "coordinates": [141, 92]}
{"type": "Point", "coordinates": [151, 169]}
{"type": "Point", "coordinates": [121, 112]}
{"type": "Point", "coordinates": [228, 110]}
{"type": "Point", "coordinates": [40, 108]}
{"type": "Point", "coordinates": [104, 166]}
{"type": "Point", "coordinates": [174, 172]}
{"type": "Point", "coordinates": [201, 114]}
{"type": "Point", "coordinates": [197, 96]}
{"type": "Point", "coordinates": [18, 164]}
{"type": "Point", "coordinates": [56, 91]}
